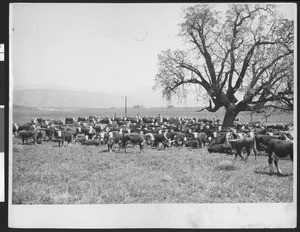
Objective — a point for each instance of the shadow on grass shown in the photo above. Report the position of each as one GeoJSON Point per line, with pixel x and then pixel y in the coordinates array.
{"type": "Point", "coordinates": [273, 173]}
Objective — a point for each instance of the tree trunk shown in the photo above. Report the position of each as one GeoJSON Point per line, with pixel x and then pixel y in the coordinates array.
{"type": "Point", "coordinates": [229, 117]}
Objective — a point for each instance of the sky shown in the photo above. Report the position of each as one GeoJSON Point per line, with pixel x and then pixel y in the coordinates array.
{"type": "Point", "coordinates": [103, 47]}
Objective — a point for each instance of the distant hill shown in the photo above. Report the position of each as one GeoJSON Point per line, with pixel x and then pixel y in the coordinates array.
{"type": "Point", "coordinates": [65, 98]}
{"type": "Point", "coordinates": [56, 96]}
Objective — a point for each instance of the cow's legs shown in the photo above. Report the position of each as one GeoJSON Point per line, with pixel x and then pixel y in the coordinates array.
{"type": "Point", "coordinates": [238, 153]}
{"type": "Point", "coordinates": [125, 146]}
{"type": "Point", "coordinates": [276, 161]}
{"type": "Point", "coordinates": [248, 153]}
{"type": "Point", "coordinates": [255, 153]}
{"type": "Point", "coordinates": [271, 158]}
{"type": "Point", "coordinates": [120, 144]}
{"type": "Point", "coordinates": [141, 147]}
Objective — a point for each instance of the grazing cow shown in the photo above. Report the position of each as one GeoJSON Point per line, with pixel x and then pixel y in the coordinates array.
{"type": "Point", "coordinates": [155, 139]}
{"type": "Point", "coordinates": [25, 135]}
{"type": "Point", "coordinates": [247, 143]}
{"type": "Point", "coordinates": [134, 138]}
{"type": "Point", "coordinates": [63, 136]}
{"type": "Point", "coordinates": [220, 148]}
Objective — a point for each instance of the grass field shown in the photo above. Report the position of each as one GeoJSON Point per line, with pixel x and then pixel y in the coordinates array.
{"type": "Point", "coordinates": [79, 174]}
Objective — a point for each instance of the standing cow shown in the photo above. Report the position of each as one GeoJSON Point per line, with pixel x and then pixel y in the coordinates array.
{"type": "Point", "coordinates": [63, 136]}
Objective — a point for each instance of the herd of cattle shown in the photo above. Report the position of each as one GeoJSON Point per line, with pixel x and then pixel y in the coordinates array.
{"type": "Point", "coordinates": [275, 140]}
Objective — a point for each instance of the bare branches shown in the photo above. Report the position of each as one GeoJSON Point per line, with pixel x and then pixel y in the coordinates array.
{"type": "Point", "coordinates": [249, 52]}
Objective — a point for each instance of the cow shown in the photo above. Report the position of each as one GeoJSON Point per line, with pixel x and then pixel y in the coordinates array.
{"type": "Point", "coordinates": [220, 148]}
{"type": "Point", "coordinates": [155, 139]}
{"type": "Point", "coordinates": [69, 120]}
{"type": "Point", "coordinates": [192, 143]}
{"type": "Point", "coordinates": [63, 136]}
{"type": "Point", "coordinates": [50, 132]}
{"type": "Point", "coordinates": [220, 138]}
{"type": "Point", "coordinates": [276, 149]}
{"type": "Point", "coordinates": [114, 138]}
{"type": "Point", "coordinates": [95, 142]}
{"type": "Point", "coordinates": [264, 139]}
{"type": "Point", "coordinates": [134, 138]}
{"type": "Point", "coordinates": [82, 119]}
{"type": "Point", "coordinates": [280, 149]}
{"type": "Point", "coordinates": [247, 143]}
{"type": "Point", "coordinates": [25, 135]}
{"type": "Point", "coordinates": [26, 127]}
{"type": "Point", "coordinates": [41, 136]}
{"type": "Point", "coordinates": [200, 138]}
{"type": "Point", "coordinates": [178, 137]}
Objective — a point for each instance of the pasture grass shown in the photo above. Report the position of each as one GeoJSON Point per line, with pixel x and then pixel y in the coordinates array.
{"type": "Point", "coordinates": [81, 174]}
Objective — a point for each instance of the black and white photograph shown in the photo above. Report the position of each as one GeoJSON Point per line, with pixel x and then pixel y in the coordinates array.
{"type": "Point", "coordinates": [152, 115]}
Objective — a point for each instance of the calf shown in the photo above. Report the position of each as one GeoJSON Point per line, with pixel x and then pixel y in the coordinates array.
{"type": "Point", "coordinates": [247, 143]}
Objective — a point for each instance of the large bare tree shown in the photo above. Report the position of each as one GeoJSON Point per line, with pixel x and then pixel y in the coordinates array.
{"type": "Point", "coordinates": [241, 60]}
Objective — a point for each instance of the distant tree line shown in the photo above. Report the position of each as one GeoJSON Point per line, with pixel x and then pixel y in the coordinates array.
{"type": "Point", "coordinates": [138, 106]}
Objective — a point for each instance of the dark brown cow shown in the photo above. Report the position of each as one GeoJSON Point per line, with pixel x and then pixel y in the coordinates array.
{"type": "Point", "coordinates": [280, 149]}
{"type": "Point", "coordinates": [276, 149]}
{"type": "Point", "coordinates": [25, 135]}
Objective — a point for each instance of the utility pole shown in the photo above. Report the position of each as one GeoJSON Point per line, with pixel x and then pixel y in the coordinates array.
{"type": "Point", "coordinates": [125, 106]}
